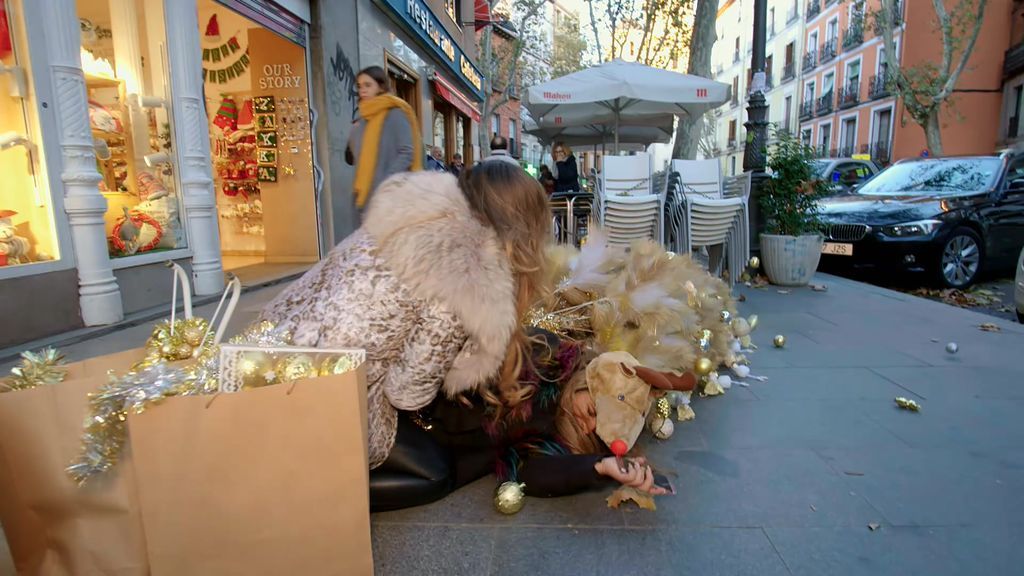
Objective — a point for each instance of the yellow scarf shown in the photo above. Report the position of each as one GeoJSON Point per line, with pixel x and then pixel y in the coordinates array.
{"type": "Point", "coordinates": [374, 111]}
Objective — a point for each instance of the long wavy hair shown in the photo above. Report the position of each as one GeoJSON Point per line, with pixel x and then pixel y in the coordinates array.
{"type": "Point", "coordinates": [515, 206]}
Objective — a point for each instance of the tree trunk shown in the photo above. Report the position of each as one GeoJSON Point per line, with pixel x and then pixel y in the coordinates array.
{"type": "Point", "coordinates": [933, 132]}
{"type": "Point", "coordinates": [597, 36]}
{"type": "Point", "coordinates": [688, 129]}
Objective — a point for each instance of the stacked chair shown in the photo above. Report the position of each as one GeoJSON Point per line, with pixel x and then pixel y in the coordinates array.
{"type": "Point", "coordinates": [626, 204]}
{"type": "Point", "coordinates": [700, 215]}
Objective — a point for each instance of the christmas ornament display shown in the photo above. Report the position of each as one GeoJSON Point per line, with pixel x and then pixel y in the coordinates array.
{"type": "Point", "coordinates": [754, 262]}
{"type": "Point", "coordinates": [952, 348]}
{"type": "Point", "coordinates": [509, 497]}
{"type": "Point", "coordinates": [662, 427]}
{"type": "Point", "coordinates": [779, 341]}
{"type": "Point", "coordinates": [703, 367]}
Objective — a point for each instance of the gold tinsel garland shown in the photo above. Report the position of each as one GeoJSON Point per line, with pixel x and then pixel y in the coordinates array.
{"type": "Point", "coordinates": [36, 369]}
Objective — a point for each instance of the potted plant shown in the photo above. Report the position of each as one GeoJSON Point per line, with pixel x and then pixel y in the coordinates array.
{"type": "Point", "coordinates": [791, 246]}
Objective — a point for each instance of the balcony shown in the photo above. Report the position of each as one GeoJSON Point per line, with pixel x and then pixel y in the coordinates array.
{"type": "Point", "coordinates": [810, 60]}
{"type": "Point", "coordinates": [881, 153]}
{"type": "Point", "coordinates": [849, 95]}
{"type": "Point", "coordinates": [878, 88]}
{"type": "Point", "coordinates": [846, 152]}
{"type": "Point", "coordinates": [829, 50]}
{"type": "Point", "coordinates": [813, 9]}
{"type": "Point", "coordinates": [897, 14]}
{"type": "Point", "coordinates": [853, 36]}
{"type": "Point", "coordinates": [825, 105]}
{"type": "Point", "coordinates": [807, 110]}
{"type": "Point", "coordinates": [1013, 62]}
{"type": "Point", "coordinates": [732, 144]}
{"type": "Point", "coordinates": [789, 71]}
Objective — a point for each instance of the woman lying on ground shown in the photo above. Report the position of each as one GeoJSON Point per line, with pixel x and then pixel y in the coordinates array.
{"type": "Point", "coordinates": [433, 286]}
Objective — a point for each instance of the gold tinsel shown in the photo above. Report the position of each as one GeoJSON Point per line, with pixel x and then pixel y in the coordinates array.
{"type": "Point", "coordinates": [36, 369]}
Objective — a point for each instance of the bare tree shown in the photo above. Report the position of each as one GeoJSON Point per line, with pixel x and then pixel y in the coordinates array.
{"type": "Point", "coordinates": [689, 129]}
{"type": "Point", "coordinates": [925, 88]}
{"type": "Point", "coordinates": [506, 72]}
{"type": "Point", "coordinates": [593, 28]}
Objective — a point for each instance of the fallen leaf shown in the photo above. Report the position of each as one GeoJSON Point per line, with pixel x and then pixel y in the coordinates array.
{"type": "Point", "coordinates": [874, 526]}
{"type": "Point", "coordinates": [988, 327]}
{"type": "Point", "coordinates": [623, 493]}
{"type": "Point", "coordinates": [813, 509]}
{"type": "Point", "coordinates": [783, 291]}
{"type": "Point", "coordinates": [742, 298]}
{"type": "Point", "coordinates": [851, 473]}
{"type": "Point", "coordinates": [935, 339]}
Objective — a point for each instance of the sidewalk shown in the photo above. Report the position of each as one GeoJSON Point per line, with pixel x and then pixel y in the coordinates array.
{"type": "Point", "coordinates": [785, 476]}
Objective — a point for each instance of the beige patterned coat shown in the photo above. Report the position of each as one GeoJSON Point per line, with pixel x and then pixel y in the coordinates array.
{"type": "Point", "coordinates": [423, 286]}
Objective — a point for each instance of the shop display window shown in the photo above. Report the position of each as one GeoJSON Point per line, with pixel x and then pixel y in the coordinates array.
{"type": "Point", "coordinates": [124, 59]}
{"type": "Point", "coordinates": [27, 228]}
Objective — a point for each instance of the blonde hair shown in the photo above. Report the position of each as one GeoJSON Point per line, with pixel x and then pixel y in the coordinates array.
{"type": "Point", "coordinates": [515, 206]}
{"type": "Point", "coordinates": [567, 425]}
{"type": "Point", "coordinates": [565, 148]}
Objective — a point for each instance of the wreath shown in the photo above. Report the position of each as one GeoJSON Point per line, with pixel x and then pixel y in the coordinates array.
{"type": "Point", "coordinates": [139, 219]}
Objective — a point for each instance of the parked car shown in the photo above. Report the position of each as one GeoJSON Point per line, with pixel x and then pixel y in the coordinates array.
{"type": "Point", "coordinates": [951, 217]}
{"type": "Point", "coordinates": [845, 174]}
{"type": "Point", "coordinates": [1018, 291]}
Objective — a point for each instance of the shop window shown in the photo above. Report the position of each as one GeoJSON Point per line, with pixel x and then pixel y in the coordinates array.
{"type": "Point", "coordinates": [124, 59]}
{"type": "Point", "coordinates": [257, 102]}
{"type": "Point", "coordinates": [439, 129]}
{"type": "Point", "coordinates": [27, 230]}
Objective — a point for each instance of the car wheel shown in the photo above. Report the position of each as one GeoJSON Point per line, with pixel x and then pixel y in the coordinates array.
{"type": "Point", "coordinates": [961, 258]}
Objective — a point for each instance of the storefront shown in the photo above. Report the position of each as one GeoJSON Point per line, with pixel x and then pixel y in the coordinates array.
{"type": "Point", "coordinates": [429, 50]}
{"type": "Point", "coordinates": [121, 150]}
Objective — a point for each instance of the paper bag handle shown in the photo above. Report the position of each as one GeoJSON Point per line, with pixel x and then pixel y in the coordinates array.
{"type": "Point", "coordinates": [234, 289]}
{"type": "Point", "coordinates": [180, 278]}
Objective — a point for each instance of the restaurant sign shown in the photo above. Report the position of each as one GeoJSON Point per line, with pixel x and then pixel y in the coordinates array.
{"type": "Point", "coordinates": [417, 18]}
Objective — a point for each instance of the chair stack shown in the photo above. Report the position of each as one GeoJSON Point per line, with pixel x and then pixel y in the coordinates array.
{"type": "Point", "coordinates": [626, 204]}
{"type": "Point", "coordinates": [700, 215]}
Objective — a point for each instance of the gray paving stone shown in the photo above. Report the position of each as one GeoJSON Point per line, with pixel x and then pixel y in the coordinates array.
{"type": "Point", "coordinates": [954, 423]}
{"type": "Point", "coordinates": [824, 383]}
{"type": "Point", "coordinates": [428, 550]}
{"type": "Point", "coordinates": [943, 486]}
{"type": "Point", "coordinates": [788, 424]}
{"type": "Point", "coordinates": [858, 551]}
{"type": "Point", "coordinates": [748, 488]}
{"type": "Point", "coordinates": [598, 552]}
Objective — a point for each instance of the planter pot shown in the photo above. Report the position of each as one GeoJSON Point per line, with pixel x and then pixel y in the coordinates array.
{"type": "Point", "coordinates": [790, 260]}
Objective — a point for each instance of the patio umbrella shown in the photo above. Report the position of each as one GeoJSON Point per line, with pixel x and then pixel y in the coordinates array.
{"type": "Point", "coordinates": [620, 92]}
{"type": "Point", "coordinates": [653, 130]}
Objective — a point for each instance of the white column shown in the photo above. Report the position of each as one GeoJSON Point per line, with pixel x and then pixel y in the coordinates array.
{"type": "Point", "coordinates": [100, 298]}
{"type": "Point", "coordinates": [192, 144]}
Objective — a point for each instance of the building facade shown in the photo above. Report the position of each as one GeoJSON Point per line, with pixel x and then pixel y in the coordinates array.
{"type": "Point", "coordinates": [208, 133]}
{"type": "Point", "coordinates": [826, 71]}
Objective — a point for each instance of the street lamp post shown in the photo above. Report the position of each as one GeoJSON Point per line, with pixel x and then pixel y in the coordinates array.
{"type": "Point", "coordinates": [757, 125]}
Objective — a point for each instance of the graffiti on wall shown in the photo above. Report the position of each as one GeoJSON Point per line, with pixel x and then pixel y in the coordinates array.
{"type": "Point", "coordinates": [343, 91]}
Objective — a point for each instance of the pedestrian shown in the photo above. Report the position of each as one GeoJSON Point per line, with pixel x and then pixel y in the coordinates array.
{"type": "Point", "coordinates": [499, 151]}
{"type": "Point", "coordinates": [435, 160]}
{"type": "Point", "coordinates": [385, 139]}
{"type": "Point", "coordinates": [433, 286]}
{"type": "Point", "coordinates": [567, 176]}
{"type": "Point", "coordinates": [457, 166]}
{"type": "Point", "coordinates": [546, 179]}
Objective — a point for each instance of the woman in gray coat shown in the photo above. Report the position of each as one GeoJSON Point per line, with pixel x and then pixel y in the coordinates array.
{"type": "Point", "coordinates": [384, 140]}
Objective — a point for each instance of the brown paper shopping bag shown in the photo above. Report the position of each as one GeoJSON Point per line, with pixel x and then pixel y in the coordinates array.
{"type": "Point", "coordinates": [53, 526]}
{"type": "Point", "coordinates": [271, 480]}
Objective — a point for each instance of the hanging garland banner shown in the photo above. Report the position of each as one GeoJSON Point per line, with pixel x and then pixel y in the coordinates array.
{"type": "Point", "coordinates": [223, 51]}
{"type": "Point", "coordinates": [224, 75]}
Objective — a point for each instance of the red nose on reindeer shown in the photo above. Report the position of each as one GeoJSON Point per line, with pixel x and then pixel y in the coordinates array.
{"type": "Point", "coordinates": [619, 448]}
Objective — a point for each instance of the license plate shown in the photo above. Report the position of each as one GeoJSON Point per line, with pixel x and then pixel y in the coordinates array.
{"type": "Point", "coordinates": [837, 249]}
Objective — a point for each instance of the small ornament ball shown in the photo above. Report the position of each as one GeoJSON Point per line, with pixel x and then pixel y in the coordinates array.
{"type": "Point", "coordinates": [779, 341]}
{"type": "Point", "coordinates": [952, 348]}
{"type": "Point", "coordinates": [755, 262]}
{"type": "Point", "coordinates": [662, 428]}
{"type": "Point", "coordinates": [703, 367]}
{"type": "Point", "coordinates": [726, 316]}
{"type": "Point", "coordinates": [509, 497]}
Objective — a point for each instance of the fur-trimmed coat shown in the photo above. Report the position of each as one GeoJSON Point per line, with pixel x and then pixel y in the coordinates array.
{"type": "Point", "coordinates": [423, 286]}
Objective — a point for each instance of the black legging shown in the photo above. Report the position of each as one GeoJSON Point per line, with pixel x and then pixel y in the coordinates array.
{"type": "Point", "coordinates": [426, 466]}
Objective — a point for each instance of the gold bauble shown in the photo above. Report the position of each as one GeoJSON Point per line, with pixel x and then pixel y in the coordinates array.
{"type": "Point", "coordinates": [182, 351]}
{"type": "Point", "coordinates": [509, 497]}
{"type": "Point", "coordinates": [663, 407]}
{"type": "Point", "coordinates": [703, 367]}
{"type": "Point", "coordinates": [192, 335]}
{"type": "Point", "coordinates": [256, 369]}
{"type": "Point", "coordinates": [338, 365]}
{"type": "Point", "coordinates": [296, 367]}
{"type": "Point", "coordinates": [755, 262]}
{"type": "Point", "coordinates": [167, 351]}
{"type": "Point", "coordinates": [779, 341]}
{"type": "Point", "coordinates": [753, 322]}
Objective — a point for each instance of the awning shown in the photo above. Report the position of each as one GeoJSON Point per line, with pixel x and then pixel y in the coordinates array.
{"type": "Point", "coordinates": [481, 13]}
{"type": "Point", "coordinates": [456, 98]}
